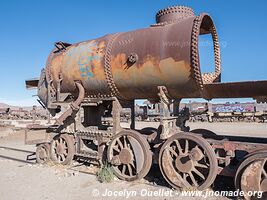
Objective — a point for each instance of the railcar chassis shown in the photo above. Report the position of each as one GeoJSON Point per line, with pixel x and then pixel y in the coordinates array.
{"type": "Point", "coordinates": [187, 159]}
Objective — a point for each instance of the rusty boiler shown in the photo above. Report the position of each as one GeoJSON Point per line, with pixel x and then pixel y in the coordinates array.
{"type": "Point", "coordinates": [96, 78]}
{"type": "Point", "coordinates": [133, 64]}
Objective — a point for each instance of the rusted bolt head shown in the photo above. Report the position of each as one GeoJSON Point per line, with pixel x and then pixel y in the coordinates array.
{"type": "Point", "coordinates": [132, 58]}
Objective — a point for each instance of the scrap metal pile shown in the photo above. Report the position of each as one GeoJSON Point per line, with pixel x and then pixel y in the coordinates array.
{"type": "Point", "coordinates": [95, 79]}
{"type": "Point", "coordinates": [203, 112]}
{"type": "Point", "coordinates": [23, 114]}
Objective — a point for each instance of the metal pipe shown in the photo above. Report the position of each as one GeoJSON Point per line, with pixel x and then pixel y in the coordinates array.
{"type": "Point", "coordinates": [74, 106]}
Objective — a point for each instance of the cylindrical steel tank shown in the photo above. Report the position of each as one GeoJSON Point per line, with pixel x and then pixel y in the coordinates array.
{"type": "Point", "coordinates": [133, 64]}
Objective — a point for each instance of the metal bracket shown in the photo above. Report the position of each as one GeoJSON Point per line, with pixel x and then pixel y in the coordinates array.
{"type": "Point", "coordinates": [171, 124]}
{"type": "Point", "coordinates": [167, 123]}
{"type": "Point", "coordinates": [61, 46]}
{"type": "Point", "coordinates": [60, 97]}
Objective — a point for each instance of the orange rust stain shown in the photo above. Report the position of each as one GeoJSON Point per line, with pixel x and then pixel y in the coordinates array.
{"type": "Point", "coordinates": [154, 60]}
{"type": "Point", "coordinates": [151, 70]}
{"type": "Point", "coordinates": [119, 61]}
{"type": "Point", "coordinates": [174, 71]}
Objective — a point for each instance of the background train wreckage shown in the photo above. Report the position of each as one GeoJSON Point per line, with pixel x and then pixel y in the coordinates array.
{"type": "Point", "coordinates": [97, 78]}
{"type": "Point", "coordinates": [203, 112]}
{"type": "Point", "coordinates": [35, 113]}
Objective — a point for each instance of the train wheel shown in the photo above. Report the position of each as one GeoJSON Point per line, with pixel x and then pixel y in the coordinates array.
{"type": "Point", "coordinates": [130, 155]}
{"type": "Point", "coordinates": [43, 153]}
{"type": "Point", "coordinates": [188, 161]}
{"type": "Point", "coordinates": [251, 175]}
{"type": "Point", "coordinates": [62, 149]}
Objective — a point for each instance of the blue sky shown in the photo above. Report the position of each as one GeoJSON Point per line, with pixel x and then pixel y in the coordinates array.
{"type": "Point", "coordinates": [29, 28]}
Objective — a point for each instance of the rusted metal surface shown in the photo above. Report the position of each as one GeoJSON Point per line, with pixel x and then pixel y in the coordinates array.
{"type": "Point", "coordinates": [188, 161]}
{"type": "Point", "coordinates": [251, 175]}
{"type": "Point", "coordinates": [32, 83]}
{"type": "Point", "coordinates": [36, 134]}
{"type": "Point", "coordinates": [253, 89]}
{"type": "Point", "coordinates": [169, 15]}
{"type": "Point", "coordinates": [130, 155]}
{"type": "Point", "coordinates": [159, 63]}
{"type": "Point", "coordinates": [62, 149]}
{"type": "Point", "coordinates": [132, 65]}
{"type": "Point", "coordinates": [74, 106]}
{"type": "Point", "coordinates": [43, 153]}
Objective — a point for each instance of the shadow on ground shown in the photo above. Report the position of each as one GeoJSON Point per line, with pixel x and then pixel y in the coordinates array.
{"type": "Point", "coordinates": [221, 183]}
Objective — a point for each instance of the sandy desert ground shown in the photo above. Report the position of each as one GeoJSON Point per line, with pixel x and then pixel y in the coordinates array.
{"type": "Point", "coordinates": [23, 179]}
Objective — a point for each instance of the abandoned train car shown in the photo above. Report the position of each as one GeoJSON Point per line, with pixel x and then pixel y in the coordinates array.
{"type": "Point", "coordinates": [99, 77]}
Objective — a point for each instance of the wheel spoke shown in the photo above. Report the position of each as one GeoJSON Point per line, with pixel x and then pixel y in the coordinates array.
{"type": "Point", "coordinates": [172, 151]}
{"type": "Point", "coordinates": [178, 146]}
{"type": "Point", "coordinates": [62, 157]}
{"type": "Point", "coordinates": [123, 169]}
{"type": "Point", "coordinates": [133, 165]}
{"type": "Point", "coordinates": [184, 176]}
{"type": "Point", "coordinates": [186, 147]}
{"type": "Point", "coordinates": [193, 178]}
{"type": "Point", "coordinates": [116, 148]}
{"type": "Point", "coordinates": [130, 169]}
{"type": "Point", "coordinates": [263, 170]}
{"type": "Point", "coordinates": [58, 158]}
{"type": "Point", "coordinates": [199, 173]}
{"type": "Point", "coordinates": [264, 173]}
{"type": "Point", "coordinates": [185, 182]}
{"type": "Point", "coordinates": [119, 143]}
{"type": "Point", "coordinates": [201, 165]}
{"type": "Point", "coordinates": [124, 142]}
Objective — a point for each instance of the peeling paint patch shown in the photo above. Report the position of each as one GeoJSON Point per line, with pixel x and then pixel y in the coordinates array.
{"type": "Point", "coordinates": [87, 60]}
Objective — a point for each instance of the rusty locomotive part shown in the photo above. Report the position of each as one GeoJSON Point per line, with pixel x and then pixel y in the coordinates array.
{"type": "Point", "coordinates": [159, 63]}
{"type": "Point", "coordinates": [119, 65]}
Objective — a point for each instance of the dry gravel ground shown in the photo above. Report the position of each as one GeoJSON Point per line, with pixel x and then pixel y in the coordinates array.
{"type": "Point", "coordinates": [21, 179]}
